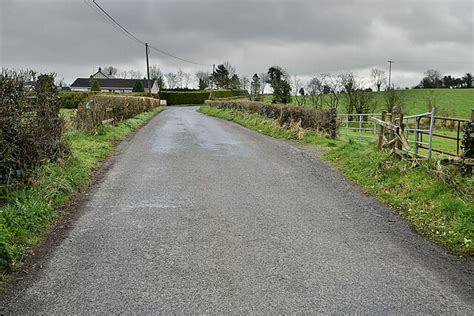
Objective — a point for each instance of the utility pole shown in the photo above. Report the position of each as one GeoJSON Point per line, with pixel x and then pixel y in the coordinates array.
{"type": "Point", "coordinates": [147, 69]}
{"type": "Point", "coordinates": [212, 75]}
{"type": "Point", "coordinates": [390, 74]}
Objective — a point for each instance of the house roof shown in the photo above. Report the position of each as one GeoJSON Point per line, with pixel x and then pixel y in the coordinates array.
{"type": "Point", "coordinates": [100, 72]}
{"type": "Point", "coordinates": [110, 83]}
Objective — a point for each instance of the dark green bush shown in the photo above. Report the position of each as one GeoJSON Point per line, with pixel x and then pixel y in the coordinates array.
{"type": "Point", "coordinates": [138, 87]}
{"type": "Point", "coordinates": [309, 118]}
{"type": "Point", "coordinates": [71, 100]}
{"type": "Point", "coordinates": [184, 97]}
{"type": "Point", "coordinates": [31, 128]}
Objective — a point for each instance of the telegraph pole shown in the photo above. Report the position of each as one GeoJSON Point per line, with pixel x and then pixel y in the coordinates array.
{"type": "Point", "coordinates": [147, 68]}
{"type": "Point", "coordinates": [212, 75]}
{"type": "Point", "coordinates": [390, 73]}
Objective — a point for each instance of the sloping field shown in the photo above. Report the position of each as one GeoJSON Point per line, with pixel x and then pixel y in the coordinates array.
{"type": "Point", "coordinates": [449, 102]}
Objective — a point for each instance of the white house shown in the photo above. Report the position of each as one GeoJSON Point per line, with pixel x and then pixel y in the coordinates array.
{"type": "Point", "coordinates": [112, 84]}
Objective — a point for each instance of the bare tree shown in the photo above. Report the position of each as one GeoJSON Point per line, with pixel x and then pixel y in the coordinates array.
{"type": "Point", "coordinates": [315, 90]}
{"type": "Point", "coordinates": [333, 87]}
{"type": "Point", "coordinates": [135, 74]}
{"type": "Point", "coordinates": [110, 71]}
{"type": "Point", "coordinates": [263, 81]}
{"type": "Point", "coordinates": [155, 72]}
{"type": "Point", "coordinates": [186, 79]}
{"type": "Point", "coordinates": [204, 79]}
{"type": "Point", "coordinates": [123, 74]}
{"type": "Point", "coordinates": [378, 78]}
{"type": "Point", "coordinates": [230, 68]}
{"type": "Point", "coordinates": [244, 83]}
{"type": "Point", "coordinates": [297, 86]}
{"type": "Point", "coordinates": [393, 101]}
{"type": "Point", "coordinates": [349, 86]}
{"type": "Point", "coordinates": [432, 79]}
{"type": "Point", "coordinates": [363, 102]}
{"type": "Point", "coordinates": [172, 80]}
{"type": "Point", "coordinates": [179, 78]}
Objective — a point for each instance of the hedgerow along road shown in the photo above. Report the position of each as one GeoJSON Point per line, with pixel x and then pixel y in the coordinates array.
{"type": "Point", "coordinates": [201, 215]}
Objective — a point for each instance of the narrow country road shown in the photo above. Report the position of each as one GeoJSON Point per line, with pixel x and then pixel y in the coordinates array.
{"type": "Point", "coordinates": [199, 215]}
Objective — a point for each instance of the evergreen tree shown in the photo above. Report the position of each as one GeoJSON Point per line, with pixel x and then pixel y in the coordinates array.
{"type": "Point", "coordinates": [221, 77]}
{"type": "Point", "coordinates": [468, 80]}
{"type": "Point", "coordinates": [95, 85]}
{"type": "Point", "coordinates": [203, 85]}
{"type": "Point", "coordinates": [278, 79]}
{"type": "Point", "coordinates": [138, 87]}
{"type": "Point", "coordinates": [161, 82]}
{"type": "Point", "coordinates": [234, 82]}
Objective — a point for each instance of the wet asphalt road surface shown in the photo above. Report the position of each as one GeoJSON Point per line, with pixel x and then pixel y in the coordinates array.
{"type": "Point", "coordinates": [200, 215]}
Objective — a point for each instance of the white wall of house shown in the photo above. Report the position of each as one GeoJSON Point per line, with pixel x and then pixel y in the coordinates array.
{"type": "Point", "coordinates": [79, 89]}
{"type": "Point", "coordinates": [154, 88]}
{"type": "Point", "coordinates": [99, 75]}
{"type": "Point", "coordinates": [104, 89]}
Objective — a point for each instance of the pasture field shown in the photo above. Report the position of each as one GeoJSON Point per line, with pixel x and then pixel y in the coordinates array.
{"type": "Point", "coordinates": [448, 102]}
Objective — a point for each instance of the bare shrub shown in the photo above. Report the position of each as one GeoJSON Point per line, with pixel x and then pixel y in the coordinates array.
{"type": "Point", "coordinates": [101, 109]}
{"type": "Point", "coordinates": [393, 100]}
{"type": "Point", "coordinates": [288, 116]}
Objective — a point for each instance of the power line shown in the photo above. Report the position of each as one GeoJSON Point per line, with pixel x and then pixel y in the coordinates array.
{"type": "Point", "coordinates": [176, 57]}
{"type": "Point", "coordinates": [136, 39]}
{"type": "Point", "coordinates": [105, 18]}
{"type": "Point", "coordinates": [117, 23]}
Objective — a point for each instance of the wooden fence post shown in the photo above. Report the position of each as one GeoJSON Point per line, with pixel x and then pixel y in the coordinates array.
{"type": "Point", "coordinates": [393, 119]}
{"type": "Point", "coordinates": [399, 144]}
{"type": "Point", "coordinates": [432, 125]}
{"type": "Point", "coordinates": [382, 131]}
{"type": "Point", "coordinates": [468, 143]}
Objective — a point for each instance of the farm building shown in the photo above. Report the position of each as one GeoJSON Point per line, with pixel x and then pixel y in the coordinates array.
{"type": "Point", "coordinates": [111, 84]}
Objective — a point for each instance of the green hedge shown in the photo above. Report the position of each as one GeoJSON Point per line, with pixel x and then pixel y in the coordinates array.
{"type": "Point", "coordinates": [173, 97]}
{"type": "Point", "coordinates": [307, 118]}
{"type": "Point", "coordinates": [71, 100]}
{"type": "Point", "coordinates": [184, 97]}
{"type": "Point", "coordinates": [221, 94]}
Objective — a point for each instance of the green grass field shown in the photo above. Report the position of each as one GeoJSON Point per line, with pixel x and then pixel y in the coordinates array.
{"type": "Point", "coordinates": [449, 102]}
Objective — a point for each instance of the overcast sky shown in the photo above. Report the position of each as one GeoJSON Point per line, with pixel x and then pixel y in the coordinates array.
{"type": "Point", "coordinates": [306, 37]}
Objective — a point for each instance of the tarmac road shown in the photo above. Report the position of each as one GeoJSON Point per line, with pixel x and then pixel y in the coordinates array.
{"type": "Point", "coordinates": [200, 215]}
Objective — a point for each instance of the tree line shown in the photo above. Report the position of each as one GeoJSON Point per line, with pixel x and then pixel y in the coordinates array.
{"type": "Point", "coordinates": [284, 88]}
{"type": "Point", "coordinates": [433, 80]}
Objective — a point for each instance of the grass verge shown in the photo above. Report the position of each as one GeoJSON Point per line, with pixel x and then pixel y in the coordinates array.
{"type": "Point", "coordinates": [439, 204]}
{"type": "Point", "coordinates": [29, 212]}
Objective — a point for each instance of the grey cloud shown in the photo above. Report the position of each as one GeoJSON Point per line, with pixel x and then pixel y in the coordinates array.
{"type": "Point", "coordinates": [306, 37]}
